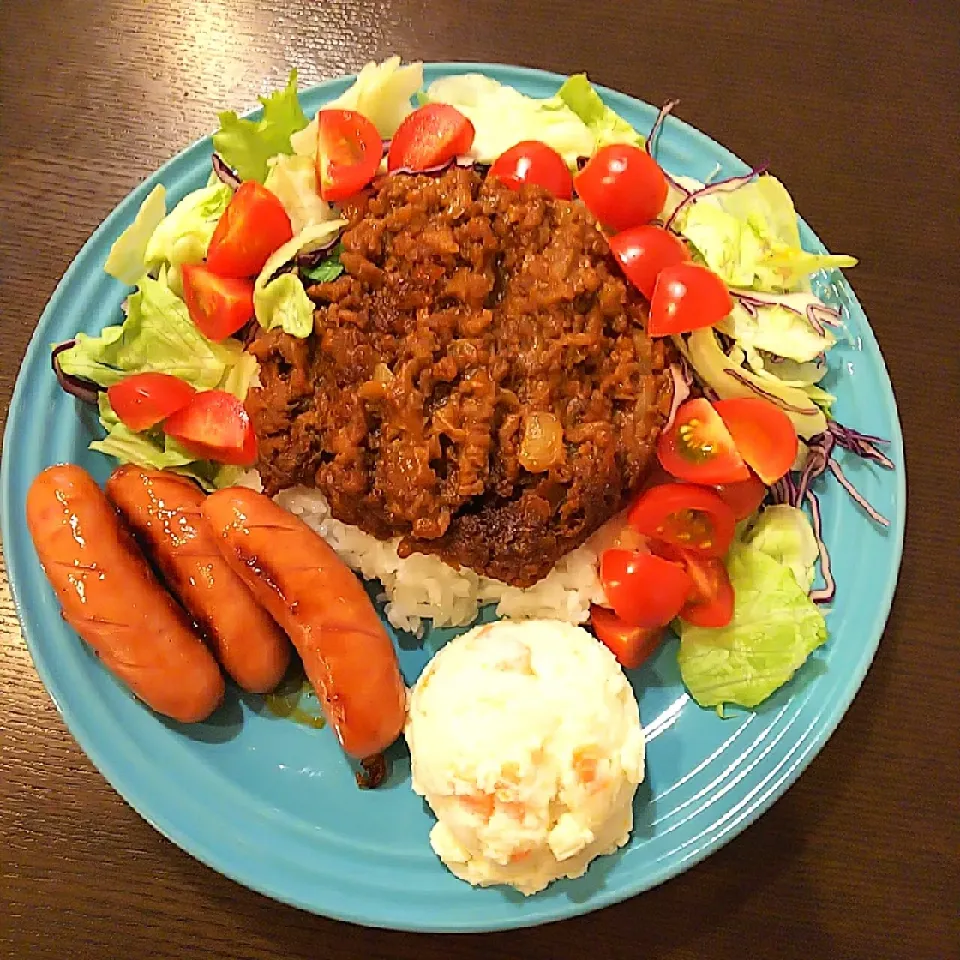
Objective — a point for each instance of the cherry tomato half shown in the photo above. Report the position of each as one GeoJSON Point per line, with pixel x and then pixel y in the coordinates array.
{"type": "Point", "coordinates": [349, 151]}
{"type": "Point", "coordinates": [531, 161]}
{"type": "Point", "coordinates": [645, 251]}
{"type": "Point", "coordinates": [685, 515]}
{"type": "Point", "coordinates": [763, 434]}
{"type": "Point", "coordinates": [251, 228]}
{"type": "Point", "coordinates": [622, 186]}
{"type": "Point", "coordinates": [142, 400]}
{"type": "Point", "coordinates": [698, 447]}
{"type": "Point", "coordinates": [215, 426]}
{"type": "Point", "coordinates": [743, 498]}
{"type": "Point", "coordinates": [687, 297]}
{"type": "Point", "coordinates": [428, 137]}
{"type": "Point", "coordinates": [630, 645]}
{"type": "Point", "coordinates": [711, 600]}
{"type": "Point", "coordinates": [644, 590]}
{"type": "Point", "coordinates": [219, 306]}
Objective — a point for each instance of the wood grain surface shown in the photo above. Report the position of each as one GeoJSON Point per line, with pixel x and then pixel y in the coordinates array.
{"type": "Point", "coordinates": [856, 106]}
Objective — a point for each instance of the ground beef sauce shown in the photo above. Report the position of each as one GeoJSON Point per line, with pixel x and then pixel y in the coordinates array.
{"type": "Point", "coordinates": [471, 322]}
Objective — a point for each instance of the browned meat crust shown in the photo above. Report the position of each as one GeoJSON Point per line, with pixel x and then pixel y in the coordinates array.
{"type": "Point", "coordinates": [465, 309]}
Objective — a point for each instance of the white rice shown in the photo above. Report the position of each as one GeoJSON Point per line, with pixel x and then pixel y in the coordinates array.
{"type": "Point", "coordinates": [423, 587]}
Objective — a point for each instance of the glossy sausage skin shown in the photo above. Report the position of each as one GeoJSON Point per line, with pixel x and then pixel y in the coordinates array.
{"type": "Point", "coordinates": [323, 608]}
{"type": "Point", "coordinates": [163, 511]}
{"type": "Point", "coordinates": [110, 596]}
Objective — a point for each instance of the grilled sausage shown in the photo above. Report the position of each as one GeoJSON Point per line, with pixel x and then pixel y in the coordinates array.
{"type": "Point", "coordinates": [111, 598]}
{"type": "Point", "coordinates": [163, 511]}
{"type": "Point", "coordinates": [325, 611]}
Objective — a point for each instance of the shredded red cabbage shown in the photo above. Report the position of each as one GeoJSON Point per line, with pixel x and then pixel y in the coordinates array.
{"type": "Point", "coordinates": [651, 145]}
{"type": "Point", "coordinates": [225, 173]}
{"type": "Point", "coordinates": [795, 489]}
{"type": "Point", "coordinates": [720, 186]}
{"type": "Point", "coordinates": [816, 314]}
{"type": "Point", "coordinates": [79, 387]}
{"type": "Point", "coordinates": [466, 162]}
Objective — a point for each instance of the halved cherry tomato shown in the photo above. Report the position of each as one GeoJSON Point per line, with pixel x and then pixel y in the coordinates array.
{"type": "Point", "coordinates": [622, 186]}
{"type": "Point", "coordinates": [685, 515]}
{"type": "Point", "coordinates": [142, 400]}
{"type": "Point", "coordinates": [218, 306]}
{"type": "Point", "coordinates": [742, 498]}
{"type": "Point", "coordinates": [698, 447]}
{"type": "Point", "coordinates": [763, 433]}
{"type": "Point", "coordinates": [431, 135]}
{"type": "Point", "coordinates": [687, 297]}
{"type": "Point", "coordinates": [644, 590]}
{"type": "Point", "coordinates": [349, 151]}
{"type": "Point", "coordinates": [251, 228]}
{"type": "Point", "coordinates": [630, 645]}
{"type": "Point", "coordinates": [215, 426]}
{"type": "Point", "coordinates": [531, 161]}
{"type": "Point", "coordinates": [646, 250]}
{"type": "Point", "coordinates": [710, 603]}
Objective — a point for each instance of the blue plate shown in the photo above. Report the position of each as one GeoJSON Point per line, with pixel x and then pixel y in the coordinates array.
{"type": "Point", "coordinates": [274, 805]}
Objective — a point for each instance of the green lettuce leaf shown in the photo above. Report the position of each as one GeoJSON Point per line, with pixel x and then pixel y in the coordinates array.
{"type": "Point", "coordinates": [329, 268]}
{"type": "Point", "coordinates": [775, 627]}
{"type": "Point", "coordinates": [154, 451]}
{"type": "Point", "coordinates": [157, 335]}
{"type": "Point", "coordinates": [785, 534]}
{"type": "Point", "coordinates": [293, 181]}
{"type": "Point", "coordinates": [704, 353]}
{"type": "Point", "coordinates": [284, 303]}
{"type": "Point", "coordinates": [282, 300]}
{"type": "Point", "coordinates": [750, 237]}
{"type": "Point", "coordinates": [184, 234]}
{"type": "Point", "coordinates": [502, 117]}
{"type": "Point", "coordinates": [127, 259]}
{"type": "Point", "coordinates": [605, 124]}
{"type": "Point", "coordinates": [779, 329]}
{"type": "Point", "coordinates": [247, 145]}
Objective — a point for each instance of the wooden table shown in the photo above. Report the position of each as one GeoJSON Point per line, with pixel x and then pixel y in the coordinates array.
{"type": "Point", "coordinates": [856, 106]}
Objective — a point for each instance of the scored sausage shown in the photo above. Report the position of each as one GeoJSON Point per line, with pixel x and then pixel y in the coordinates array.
{"type": "Point", "coordinates": [325, 611]}
{"type": "Point", "coordinates": [163, 511]}
{"type": "Point", "coordinates": [110, 596]}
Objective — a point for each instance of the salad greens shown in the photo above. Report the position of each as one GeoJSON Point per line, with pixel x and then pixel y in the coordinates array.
{"type": "Point", "coordinates": [127, 259]}
{"type": "Point", "coordinates": [750, 238]}
{"type": "Point", "coordinates": [293, 180]}
{"type": "Point", "coordinates": [605, 124]}
{"type": "Point", "coordinates": [775, 627]}
{"type": "Point", "coordinates": [282, 301]}
{"type": "Point", "coordinates": [247, 145]}
{"type": "Point", "coordinates": [502, 117]}
{"type": "Point", "coordinates": [157, 336]}
{"type": "Point", "coordinates": [784, 534]}
{"type": "Point", "coordinates": [329, 268]}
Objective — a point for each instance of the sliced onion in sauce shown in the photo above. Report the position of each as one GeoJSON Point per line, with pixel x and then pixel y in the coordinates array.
{"type": "Point", "coordinates": [542, 444]}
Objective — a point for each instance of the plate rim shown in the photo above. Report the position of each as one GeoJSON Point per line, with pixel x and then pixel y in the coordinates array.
{"type": "Point", "coordinates": [827, 719]}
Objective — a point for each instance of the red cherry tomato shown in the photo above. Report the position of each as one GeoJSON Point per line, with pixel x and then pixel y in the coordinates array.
{"type": "Point", "coordinates": [743, 498]}
{"type": "Point", "coordinates": [646, 250]}
{"type": "Point", "coordinates": [219, 306]}
{"type": "Point", "coordinates": [687, 297]}
{"type": "Point", "coordinates": [622, 186]}
{"type": "Point", "coordinates": [428, 137]}
{"type": "Point", "coordinates": [251, 228]}
{"type": "Point", "coordinates": [644, 590]}
{"type": "Point", "coordinates": [630, 645]}
{"type": "Point", "coordinates": [763, 434]}
{"type": "Point", "coordinates": [534, 162]}
{"type": "Point", "coordinates": [686, 516]}
{"type": "Point", "coordinates": [698, 447]}
{"type": "Point", "coordinates": [142, 400]}
{"type": "Point", "coordinates": [711, 599]}
{"type": "Point", "coordinates": [215, 426]}
{"type": "Point", "coordinates": [349, 151]}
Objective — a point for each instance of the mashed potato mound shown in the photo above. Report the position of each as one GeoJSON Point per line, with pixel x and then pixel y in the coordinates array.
{"type": "Point", "coordinates": [525, 740]}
